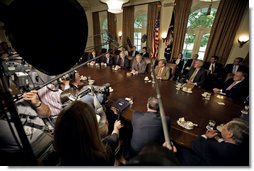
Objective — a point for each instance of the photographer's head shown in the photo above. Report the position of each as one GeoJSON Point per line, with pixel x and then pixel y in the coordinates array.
{"type": "Point", "coordinates": [152, 104]}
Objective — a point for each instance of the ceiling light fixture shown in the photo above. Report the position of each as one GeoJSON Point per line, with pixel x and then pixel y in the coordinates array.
{"type": "Point", "coordinates": [115, 6]}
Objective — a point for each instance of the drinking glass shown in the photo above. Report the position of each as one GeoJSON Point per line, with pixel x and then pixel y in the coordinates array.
{"type": "Point", "coordinates": [210, 125]}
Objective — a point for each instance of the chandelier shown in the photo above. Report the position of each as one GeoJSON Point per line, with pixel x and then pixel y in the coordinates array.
{"type": "Point", "coordinates": [115, 6]}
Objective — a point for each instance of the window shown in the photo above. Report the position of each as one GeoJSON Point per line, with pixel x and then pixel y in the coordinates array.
{"type": "Point", "coordinates": [188, 44]}
{"type": "Point", "coordinates": [198, 32]}
{"type": "Point", "coordinates": [137, 40]}
{"type": "Point", "coordinates": [104, 36]}
{"type": "Point", "coordinates": [140, 25]}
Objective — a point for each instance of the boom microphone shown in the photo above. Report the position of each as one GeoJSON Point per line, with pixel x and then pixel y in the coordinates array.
{"type": "Point", "coordinates": [47, 33]}
{"type": "Point", "coordinates": [112, 40]}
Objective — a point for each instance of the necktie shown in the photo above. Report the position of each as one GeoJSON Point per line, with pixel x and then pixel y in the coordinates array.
{"type": "Point", "coordinates": [122, 62]}
{"type": "Point", "coordinates": [138, 67]}
{"type": "Point", "coordinates": [193, 61]}
{"type": "Point", "coordinates": [231, 86]}
{"type": "Point", "coordinates": [212, 68]}
{"type": "Point", "coordinates": [234, 69]}
{"type": "Point", "coordinates": [107, 60]}
{"type": "Point", "coordinates": [160, 72]}
{"type": "Point", "coordinates": [193, 75]}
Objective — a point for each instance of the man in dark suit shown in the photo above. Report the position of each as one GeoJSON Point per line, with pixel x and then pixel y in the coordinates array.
{"type": "Point", "coordinates": [214, 73]}
{"type": "Point", "coordinates": [107, 59]}
{"type": "Point", "coordinates": [236, 87]}
{"type": "Point", "coordinates": [134, 52]}
{"type": "Point", "coordinates": [122, 61]}
{"type": "Point", "coordinates": [231, 69]}
{"type": "Point", "coordinates": [197, 74]}
{"type": "Point", "coordinates": [147, 127]}
{"type": "Point", "coordinates": [189, 64]}
{"type": "Point", "coordinates": [231, 150]}
{"type": "Point", "coordinates": [144, 53]}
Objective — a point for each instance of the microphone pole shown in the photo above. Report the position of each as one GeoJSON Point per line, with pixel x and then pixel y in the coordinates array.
{"type": "Point", "coordinates": [162, 112]}
{"type": "Point", "coordinates": [67, 72]}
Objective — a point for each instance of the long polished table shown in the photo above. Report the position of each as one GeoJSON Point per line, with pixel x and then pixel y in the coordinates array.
{"type": "Point", "coordinates": [193, 107]}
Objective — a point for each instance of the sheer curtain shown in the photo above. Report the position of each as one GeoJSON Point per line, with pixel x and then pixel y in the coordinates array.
{"type": "Point", "coordinates": [226, 23]}
{"type": "Point", "coordinates": [96, 31]}
{"type": "Point", "coordinates": [182, 11]}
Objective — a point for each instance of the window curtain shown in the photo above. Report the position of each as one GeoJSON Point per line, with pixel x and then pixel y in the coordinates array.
{"type": "Point", "coordinates": [128, 24]}
{"type": "Point", "coordinates": [96, 32]}
{"type": "Point", "coordinates": [226, 23]}
{"type": "Point", "coordinates": [182, 11]}
{"type": "Point", "coordinates": [153, 10]}
{"type": "Point", "coordinates": [112, 27]}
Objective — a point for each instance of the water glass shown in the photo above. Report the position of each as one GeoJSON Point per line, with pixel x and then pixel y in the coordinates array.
{"type": "Point", "coordinates": [210, 125]}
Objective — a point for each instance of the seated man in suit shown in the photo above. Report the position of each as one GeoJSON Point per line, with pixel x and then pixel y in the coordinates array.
{"type": "Point", "coordinates": [236, 87]}
{"type": "Point", "coordinates": [214, 72]}
{"type": "Point", "coordinates": [93, 56]}
{"type": "Point", "coordinates": [122, 61]}
{"type": "Point", "coordinates": [147, 128]}
{"type": "Point", "coordinates": [133, 52]}
{"type": "Point", "coordinates": [177, 66]}
{"type": "Point", "coordinates": [232, 151]}
{"type": "Point", "coordinates": [189, 64]}
{"type": "Point", "coordinates": [144, 53]}
{"type": "Point", "coordinates": [139, 65]}
{"type": "Point", "coordinates": [161, 70]}
{"type": "Point", "coordinates": [231, 69]}
{"type": "Point", "coordinates": [197, 74]}
{"type": "Point", "coordinates": [107, 59]}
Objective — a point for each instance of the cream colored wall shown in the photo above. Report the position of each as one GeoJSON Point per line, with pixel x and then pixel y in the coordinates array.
{"type": "Point", "coordinates": [166, 15]}
{"type": "Point", "coordinates": [243, 30]}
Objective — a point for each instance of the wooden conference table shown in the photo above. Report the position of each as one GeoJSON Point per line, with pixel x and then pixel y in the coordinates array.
{"type": "Point", "coordinates": [193, 107]}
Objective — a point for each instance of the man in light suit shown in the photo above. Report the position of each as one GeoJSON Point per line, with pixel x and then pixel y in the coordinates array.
{"type": "Point", "coordinates": [147, 127]}
{"type": "Point", "coordinates": [161, 70]}
{"type": "Point", "coordinates": [197, 74]}
{"type": "Point", "coordinates": [139, 65]}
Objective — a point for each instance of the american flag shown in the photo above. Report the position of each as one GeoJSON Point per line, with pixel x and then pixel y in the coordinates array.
{"type": "Point", "coordinates": [156, 37]}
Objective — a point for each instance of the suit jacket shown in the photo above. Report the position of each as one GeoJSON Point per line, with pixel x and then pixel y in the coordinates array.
{"type": "Point", "coordinates": [199, 78]}
{"type": "Point", "coordinates": [110, 63]}
{"type": "Point", "coordinates": [126, 62]}
{"type": "Point", "coordinates": [238, 92]}
{"type": "Point", "coordinates": [165, 73]}
{"type": "Point", "coordinates": [130, 53]}
{"type": "Point", "coordinates": [188, 64]}
{"type": "Point", "coordinates": [217, 70]}
{"type": "Point", "coordinates": [229, 68]}
{"type": "Point", "coordinates": [91, 57]}
{"type": "Point", "coordinates": [147, 129]}
{"type": "Point", "coordinates": [214, 153]}
{"type": "Point", "coordinates": [145, 55]}
{"type": "Point", "coordinates": [142, 66]}
{"type": "Point", "coordinates": [180, 65]}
